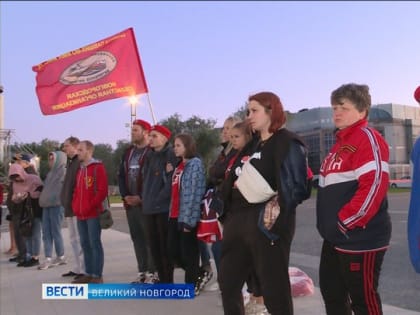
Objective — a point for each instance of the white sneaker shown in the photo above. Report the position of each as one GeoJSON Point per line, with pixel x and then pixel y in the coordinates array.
{"type": "Point", "coordinates": [246, 296]}
{"type": "Point", "coordinates": [46, 264]}
{"type": "Point", "coordinates": [59, 261]}
{"type": "Point", "coordinates": [254, 308]}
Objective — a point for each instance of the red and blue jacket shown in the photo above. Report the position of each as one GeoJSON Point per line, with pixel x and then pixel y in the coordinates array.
{"type": "Point", "coordinates": [352, 206]}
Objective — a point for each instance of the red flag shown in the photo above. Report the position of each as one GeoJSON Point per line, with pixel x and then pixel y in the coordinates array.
{"type": "Point", "coordinates": [107, 69]}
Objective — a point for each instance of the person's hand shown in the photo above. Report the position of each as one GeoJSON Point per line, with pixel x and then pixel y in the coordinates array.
{"type": "Point", "coordinates": [132, 200]}
{"type": "Point", "coordinates": [169, 167]}
{"type": "Point", "coordinates": [18, 197]}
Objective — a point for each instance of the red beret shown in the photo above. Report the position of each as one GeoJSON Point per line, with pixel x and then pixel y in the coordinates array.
{"type": "Point", "coordinates": [163, 130]}
{"type": "Point", "coordinates": [144, 124]}
{"type": "Point", "coordinates": [417, 94]}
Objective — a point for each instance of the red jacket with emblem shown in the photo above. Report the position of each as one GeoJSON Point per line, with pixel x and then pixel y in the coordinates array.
{"type": "Point", "coordinates": [91, 189]}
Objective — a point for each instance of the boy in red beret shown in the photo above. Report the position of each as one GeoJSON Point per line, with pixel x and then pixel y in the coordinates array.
{"type": "Point", "coordinates": [157, 185]}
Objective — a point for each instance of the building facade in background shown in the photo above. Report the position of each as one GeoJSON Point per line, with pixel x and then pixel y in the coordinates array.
{"type": "Point", "coordinates": [399, 124]}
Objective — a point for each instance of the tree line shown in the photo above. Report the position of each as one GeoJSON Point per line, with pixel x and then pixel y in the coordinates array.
{"type": "Point", "coordinates": [207, 138]}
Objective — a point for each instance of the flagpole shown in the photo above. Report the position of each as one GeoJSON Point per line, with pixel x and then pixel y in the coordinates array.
{"type": "Point", "coordinates": [151, 109]}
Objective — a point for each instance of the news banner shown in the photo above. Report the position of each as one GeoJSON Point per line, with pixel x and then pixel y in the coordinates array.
{"type": "Point", "coordinates": [114, 291]}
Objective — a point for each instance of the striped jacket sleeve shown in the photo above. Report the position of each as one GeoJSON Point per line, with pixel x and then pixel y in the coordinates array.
{"type": "Point", "coordinates": [372, 173]}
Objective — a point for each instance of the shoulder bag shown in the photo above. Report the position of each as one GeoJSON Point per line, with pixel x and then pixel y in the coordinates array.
{"type": "Point", "coordinates": [105, 217]}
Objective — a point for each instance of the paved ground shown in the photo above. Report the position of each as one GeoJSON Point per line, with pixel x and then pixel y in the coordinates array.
{"type": "Point", "coordinates": [20, 288]}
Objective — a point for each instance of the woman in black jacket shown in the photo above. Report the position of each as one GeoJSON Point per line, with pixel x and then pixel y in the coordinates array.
{"type": "Point", "coordinates": [245, 247]}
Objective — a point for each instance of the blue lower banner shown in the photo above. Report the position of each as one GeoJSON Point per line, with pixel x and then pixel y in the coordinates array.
{"type": "Point", "coordinates": [116, 291]}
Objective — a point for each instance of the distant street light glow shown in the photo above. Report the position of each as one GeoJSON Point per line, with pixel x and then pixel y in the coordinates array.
{"type": "Point", "coordinates": [133, 103]}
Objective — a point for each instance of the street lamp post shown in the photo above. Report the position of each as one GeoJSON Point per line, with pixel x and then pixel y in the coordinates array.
{"type": "Point", "coordinates": [133, 104]}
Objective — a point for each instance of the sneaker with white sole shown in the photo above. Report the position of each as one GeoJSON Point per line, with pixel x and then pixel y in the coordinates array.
{"type": "Point", "coordinates": [197, 289]}
{"type": "Point", "coordinates": [204, 278]}
{"type": "Point", "coordinates": [59, 261]}
{"type": "Point", "coordinates": [141, 278]}
{"type": "Point", "coordinates": [151, 278]}
{"type": "Point", "coordinates": [254, 308]}
{"type": "Point", "coordinates": [46, 264]}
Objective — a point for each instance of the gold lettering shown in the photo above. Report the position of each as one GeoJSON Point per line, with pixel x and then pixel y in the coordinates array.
{"type": "Point", "coordinates": [93, 93]}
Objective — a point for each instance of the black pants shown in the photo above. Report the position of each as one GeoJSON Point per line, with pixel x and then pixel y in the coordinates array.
{"type": "Point", "coordinates": [156, 226]}
{"type": "Point", "coordinates": [253, 284]}
{"type": "Point", "coordinates": [135, 219]}
{"type": "Point", "coordinates": [246, 248]}
{"type": "Point", "coordinates": [183, 249]}
{"type": "Point", "coordinates": [19, 238]}
{"type": "Point", "coordinates": [350, 281]}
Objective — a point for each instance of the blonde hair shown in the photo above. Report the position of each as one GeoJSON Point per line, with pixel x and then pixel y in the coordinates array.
{"type": "Point", "coordinates": [233, 119]}
{"type": "Point", "coordinates": [245, 128]}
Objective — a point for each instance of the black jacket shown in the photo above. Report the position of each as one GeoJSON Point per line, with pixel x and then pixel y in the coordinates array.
{"type": "Point", "coordinates": [66, 195]}
{"type": "Point", "coordinates": [285, 163]}
{"type": "Point", "coordinates": [218, 168]}
{"type": "Point", "coordinates": [157, 182]}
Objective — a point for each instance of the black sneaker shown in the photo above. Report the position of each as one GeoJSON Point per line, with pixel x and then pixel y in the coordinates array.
{"type": "Point", "coordinates": [14, 259]}
{"type": "Point", "coordinates": [204, 278]}
{"type": "Point", "coordinates": [31, 263]}
{"type": "Point", "coordinates": [22, 263]}
{"type": "Point", "coordinates": [197, 288]}
{"type": "Point", "coordinates": [78, 276]}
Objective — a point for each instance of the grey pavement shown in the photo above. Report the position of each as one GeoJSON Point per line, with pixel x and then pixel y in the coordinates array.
{"type": "Point", "coordinates": [20, 288]}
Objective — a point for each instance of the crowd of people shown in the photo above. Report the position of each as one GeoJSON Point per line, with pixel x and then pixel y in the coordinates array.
{"type": "Point", "coordinates": [258, 179]}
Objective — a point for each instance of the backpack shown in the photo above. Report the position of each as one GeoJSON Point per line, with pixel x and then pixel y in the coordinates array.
{"type": "Point", "coordinates": [294, 189]}
{"type": "Point", "coordinates": [297, 189]}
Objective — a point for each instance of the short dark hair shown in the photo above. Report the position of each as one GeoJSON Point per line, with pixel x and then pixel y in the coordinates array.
{"type": "Point", "coordinates": [73, 140]}
{"type": "Point", "coordinates": [272, 104]}
{"type": "Point", "coordinates": [189, 144]}
{"type": "Point", "coordinates": [358, 94]}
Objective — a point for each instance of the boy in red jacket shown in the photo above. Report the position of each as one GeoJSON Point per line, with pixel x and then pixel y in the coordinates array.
{"type": "Point", "coordinates": [91, 189]}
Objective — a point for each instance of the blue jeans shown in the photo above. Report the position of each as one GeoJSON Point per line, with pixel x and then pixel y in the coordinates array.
{"type": "Point", "coordinates": [33, 243]}
{"type": "Point", "coordinates": [93, 252]}
{"type": "Point", "coordinates": [216, 249]}
{"type": "Point", "coordinates": [204, 253]}
{"type": "Point", "coordinates": [52, 218]}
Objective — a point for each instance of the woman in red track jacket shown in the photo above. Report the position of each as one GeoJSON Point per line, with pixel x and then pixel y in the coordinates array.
{"type": "Point", "coordinates": [352, 207]}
